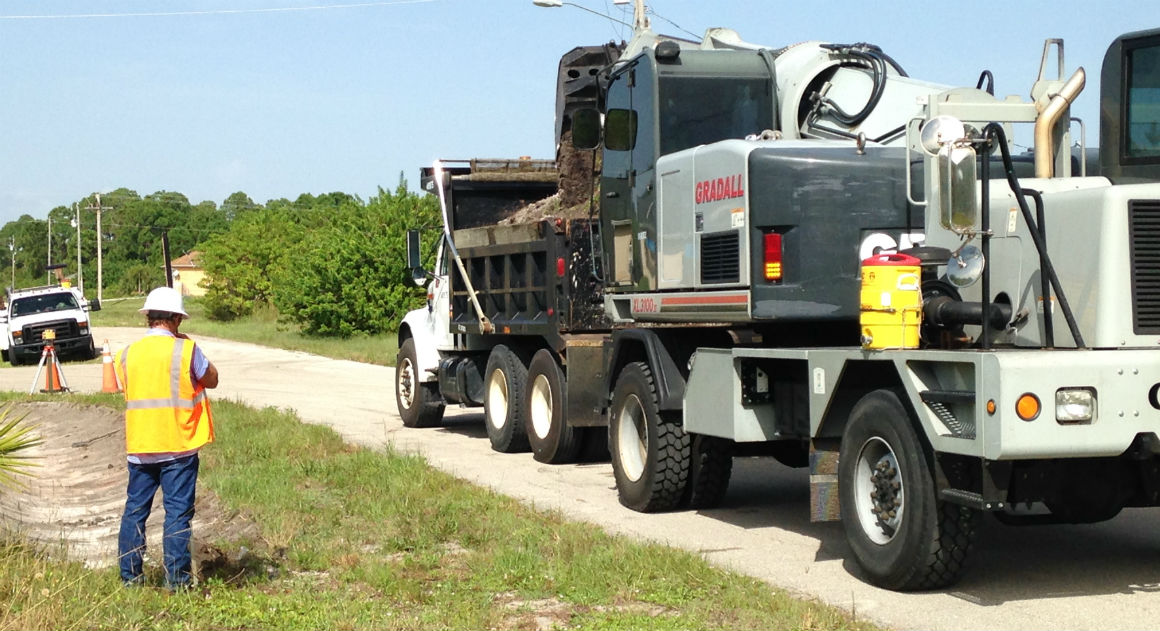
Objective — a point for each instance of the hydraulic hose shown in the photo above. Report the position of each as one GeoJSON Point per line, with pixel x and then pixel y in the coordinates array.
{"type": "Point", "coordinates": [872, 57]}
{"type": "Point", "coordinates": [994, 133]}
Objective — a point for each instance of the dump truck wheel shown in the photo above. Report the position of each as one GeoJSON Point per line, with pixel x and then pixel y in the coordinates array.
{"type": "Point", "coordinates": [650, 450]}
{"type": "Point", "coordinates": [902, 535]}
{"type": "Point", "coordinates": [420, 404]}
{"type": "Point", "coordinates": [503, 400]}
{"type": "Point", "coordinates": [552, 440]}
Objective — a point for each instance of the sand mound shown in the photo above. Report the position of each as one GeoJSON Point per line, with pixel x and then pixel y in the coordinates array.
{"type": "Point", "coordinates": [74, 499]}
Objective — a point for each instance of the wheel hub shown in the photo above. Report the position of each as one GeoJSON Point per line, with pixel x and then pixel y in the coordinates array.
{"type": "Point", "coordinates": [406, 384]}
{"type": "Point", "coordinates": [497, 399]}
{"type": "Point", "coordinates": [879, 492]}
{"type": "Point", "coordinates": [540, 410]}
{"type": "Point", "coordinates": [885, 497]}
{"type": "Point", "coordinates": [632, 438]}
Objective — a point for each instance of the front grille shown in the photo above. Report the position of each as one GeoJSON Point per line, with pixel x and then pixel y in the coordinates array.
{"type": "Point", "coordinates": [64, 329]}
{"type": "Point", "coordinates": [721, 258]}
{"type": "Point", "coordinates": [1144, 229]}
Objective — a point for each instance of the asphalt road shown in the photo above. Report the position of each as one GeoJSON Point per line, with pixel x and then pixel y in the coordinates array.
{"type": "Point", "coordinates": [1102, 576]}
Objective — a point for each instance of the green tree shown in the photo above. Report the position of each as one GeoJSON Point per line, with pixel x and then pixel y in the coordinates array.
{"type": "Point", "coordinates": [28, 238]}
{"type": "Point", "coordinates": [135, 237]}
{"type": "Point", "coordinates": [244, 263]}
{"type": "Point", "coordinates": [238, 204]}
{"type": "Point", "coordinates": [352, 278]}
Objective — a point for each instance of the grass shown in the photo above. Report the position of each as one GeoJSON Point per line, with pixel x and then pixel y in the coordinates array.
{"type": "Point", "coordinates": [261, 328]}
{"type": "Point", "coordinates": [357, 539]}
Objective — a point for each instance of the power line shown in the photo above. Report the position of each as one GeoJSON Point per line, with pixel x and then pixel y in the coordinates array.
{"type": "Point", "coordinates": [320, 7]}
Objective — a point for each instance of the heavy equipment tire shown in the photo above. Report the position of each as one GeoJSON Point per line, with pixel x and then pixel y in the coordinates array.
{"type": "Point", "coordinates": [420, 404]}
{"type": "Point", "coordinates": [711, 466]}
{"type": "Point", "coordinates": [650, 450]}
{"type": "Point", "coordinates": [552, 440]}
{"type": "Point", "coordinates": [901, 534]}
{"type": "Point", "coordinates": [503, 400]}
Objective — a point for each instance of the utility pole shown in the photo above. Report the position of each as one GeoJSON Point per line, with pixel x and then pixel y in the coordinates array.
{"type": "Point", "coordinates": [48, 266]}
{"type": "Point", "coordinates": [168, 262]}
{"type": "Point", "coordinates": [100, 245]}
{"type": "Point", "coordinates": [80, 270]}
{"type": "Point", "coordinates": [12, 250]}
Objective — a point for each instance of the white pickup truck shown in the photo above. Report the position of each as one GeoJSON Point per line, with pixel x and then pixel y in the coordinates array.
{"type": "Point", "coordinates": [33, 311]}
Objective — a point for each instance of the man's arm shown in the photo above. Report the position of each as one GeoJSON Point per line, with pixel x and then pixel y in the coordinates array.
{"type": "Point", "coordinates": [202, 370]}
{"type": "Point", "coordinates": [210, 378]}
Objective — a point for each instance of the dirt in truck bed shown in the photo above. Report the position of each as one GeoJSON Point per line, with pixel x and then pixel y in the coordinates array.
{"type": "Point", "coordinates": [72, 502]}
{"type": "Point", "coordinates": [547, 208]}
{"type": "Point", "coordinates": [578, 185]}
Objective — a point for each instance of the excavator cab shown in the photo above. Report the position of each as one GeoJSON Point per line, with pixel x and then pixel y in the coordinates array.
{"type": "Point", "coordinates": [1130, 109]}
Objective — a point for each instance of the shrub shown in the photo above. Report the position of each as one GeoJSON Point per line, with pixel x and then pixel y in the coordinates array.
{"type": "Point", "coordinates": [351, 276]}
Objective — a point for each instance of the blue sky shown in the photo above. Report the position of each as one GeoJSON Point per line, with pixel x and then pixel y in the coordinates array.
{"type": "Point", "coordinates": [278, 103]}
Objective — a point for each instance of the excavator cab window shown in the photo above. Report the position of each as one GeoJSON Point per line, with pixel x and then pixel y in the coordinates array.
{"type": "Point", "coordinates": [1143, 106]}
{"type": "Point", "coordinates": [620, 130]}
{"type": "Point", "coordinates": [700, 110]}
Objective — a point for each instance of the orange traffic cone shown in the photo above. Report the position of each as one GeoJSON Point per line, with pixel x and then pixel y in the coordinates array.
{"type": "Point", "coordinates": [53, 378]}
{"type": "Point", "coordinates": [109, 383]}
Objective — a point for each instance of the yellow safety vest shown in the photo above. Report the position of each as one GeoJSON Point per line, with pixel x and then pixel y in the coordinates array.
{"type": "Point", "coordinates": [165, 411]}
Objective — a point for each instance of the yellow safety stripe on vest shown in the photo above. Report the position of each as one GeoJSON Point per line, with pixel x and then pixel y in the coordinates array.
{"type": "Point", "coordinates": [149, 404]}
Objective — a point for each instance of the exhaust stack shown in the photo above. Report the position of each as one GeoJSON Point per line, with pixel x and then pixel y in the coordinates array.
{"type": "Point", "coordinates": [1049, 117]}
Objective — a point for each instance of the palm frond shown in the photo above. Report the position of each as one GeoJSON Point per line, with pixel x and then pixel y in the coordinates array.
{"type": "Point", "coordinates": [16, 438]}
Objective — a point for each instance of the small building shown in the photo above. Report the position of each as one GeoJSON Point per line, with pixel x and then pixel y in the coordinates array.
{"type": "Point", "coordinates": [188, 274]}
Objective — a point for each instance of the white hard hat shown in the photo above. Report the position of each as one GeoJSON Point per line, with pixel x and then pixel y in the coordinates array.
{"type": "Point", "coordinates": [164, 299]}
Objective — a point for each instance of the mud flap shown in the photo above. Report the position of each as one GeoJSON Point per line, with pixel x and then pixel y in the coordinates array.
{"type": "Point", "coordinates": [824, 505]}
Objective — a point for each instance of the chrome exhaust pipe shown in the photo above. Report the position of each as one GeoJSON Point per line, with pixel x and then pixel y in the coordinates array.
{"type": "Point", "coordinates": [1045, 123]}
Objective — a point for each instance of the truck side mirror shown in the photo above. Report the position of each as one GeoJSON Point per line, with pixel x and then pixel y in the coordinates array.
{"type": "Point", "coordinates": [586, 129]}
{"type": "Point", "coordinates": [957, 199]}
{"type": "Point", "coordinates": [94, 305]}
{"type": "Point", "coordinates": [414, 260]}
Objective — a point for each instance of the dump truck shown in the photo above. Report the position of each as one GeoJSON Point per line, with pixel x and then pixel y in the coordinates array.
{"type": "Point", "coordinates": [802, 252]}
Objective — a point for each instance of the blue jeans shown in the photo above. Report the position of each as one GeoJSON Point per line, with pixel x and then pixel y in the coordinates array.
{"type": "Point", "coordinates": [177, 479]}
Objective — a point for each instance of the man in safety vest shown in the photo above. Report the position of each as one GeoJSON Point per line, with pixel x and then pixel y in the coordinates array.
{"type": "Point", "coordinates": [167, 419]}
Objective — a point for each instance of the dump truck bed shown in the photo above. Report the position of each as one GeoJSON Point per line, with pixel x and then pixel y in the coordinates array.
{"type": "Point", "coordinates": [530, 279]}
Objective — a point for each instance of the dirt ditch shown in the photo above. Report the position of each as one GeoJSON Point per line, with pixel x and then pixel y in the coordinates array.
{"type": "Point", "coordinates": [73, 500]}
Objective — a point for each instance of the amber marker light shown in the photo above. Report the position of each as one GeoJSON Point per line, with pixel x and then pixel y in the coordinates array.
{"type": "Point", "coordinates": [1027, 407]}
{"type": "Point", "coordinates": [991, 407]}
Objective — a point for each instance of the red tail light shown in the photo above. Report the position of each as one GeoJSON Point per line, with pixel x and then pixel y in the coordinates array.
{"type": "Point", "coordinates": [560, 267]}
{"type": "Point", "coordinates": [772, 257]}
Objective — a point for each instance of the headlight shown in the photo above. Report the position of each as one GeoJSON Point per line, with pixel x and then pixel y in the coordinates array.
{"type": "Point", "coordinates": [1075, 405]}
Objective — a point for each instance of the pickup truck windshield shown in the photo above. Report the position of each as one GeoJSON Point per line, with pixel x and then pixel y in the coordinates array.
{"type": "Point", "coordinates": [43, 304]}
